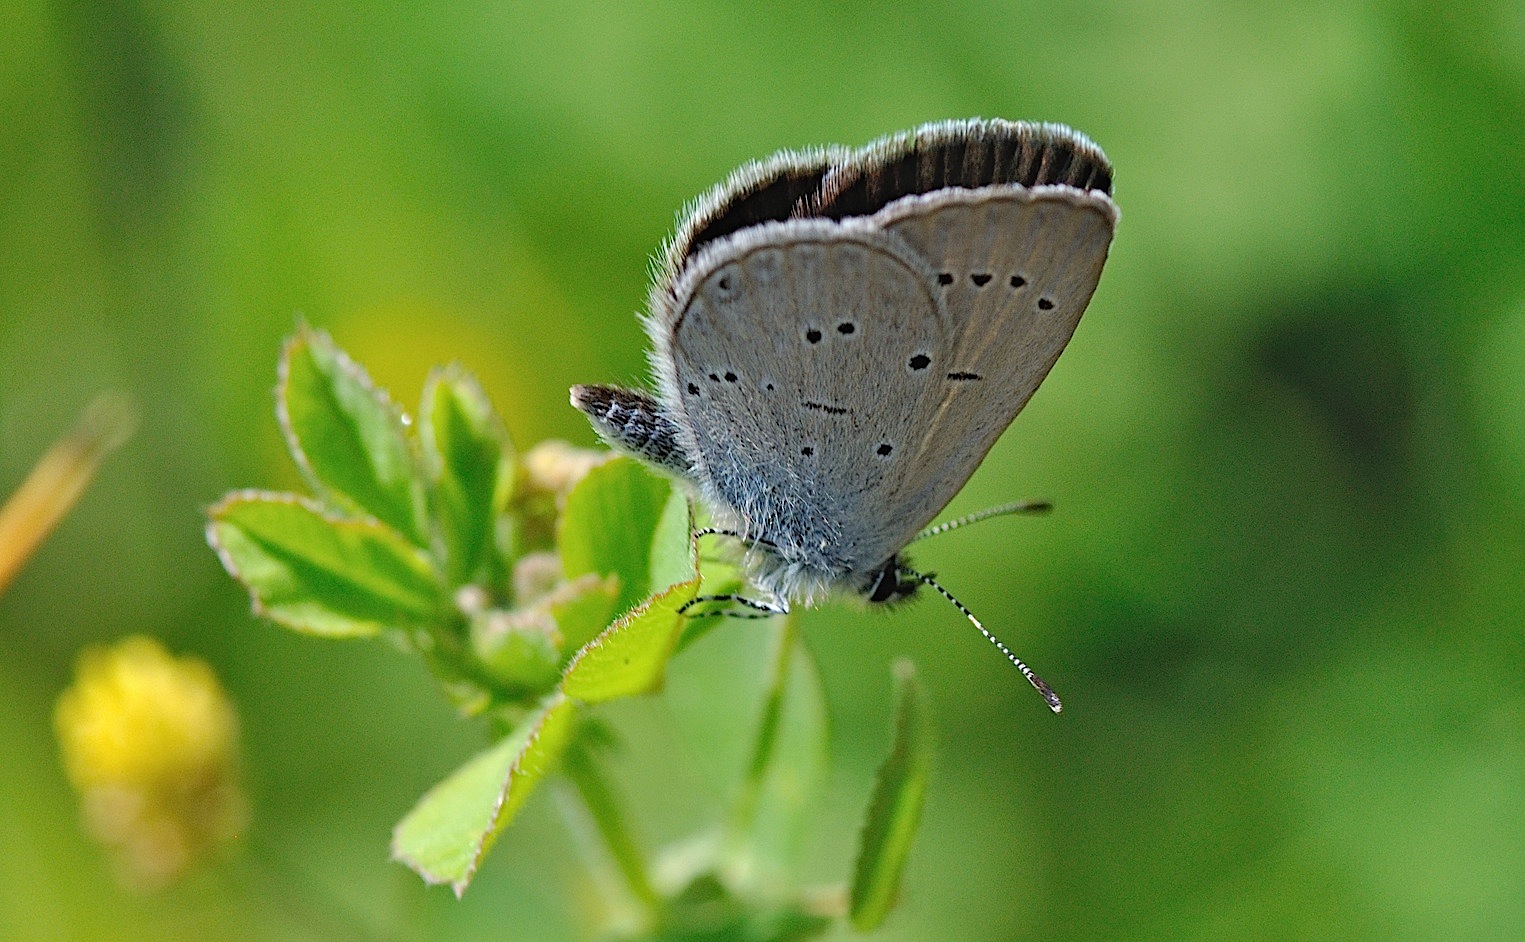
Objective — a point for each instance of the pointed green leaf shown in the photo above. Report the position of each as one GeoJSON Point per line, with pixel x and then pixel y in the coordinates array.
{"type": "Point", "coordinates": [789, 787]}
{"type": "Point", "coordinates": [630, 657]}
{"type": "Point", "coordinates": [608, 524]}
{"type": "Point", "coordinates": [450, 830]}
{"type": "Point", "coordinates": [319, 574]}
{"type": "Point", "coordinates": [346, 435]}
{"type": "Point", "coordinates": [895, 809]}
{"type": "Point", "coordinates": [469, 460]}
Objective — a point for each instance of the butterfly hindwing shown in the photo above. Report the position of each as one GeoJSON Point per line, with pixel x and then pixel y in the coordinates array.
{"type": "Point", "coordinates": [800, 356]}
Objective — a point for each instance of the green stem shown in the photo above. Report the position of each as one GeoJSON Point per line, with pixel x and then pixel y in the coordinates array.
{"type": "Point", "coordinates": [598, 798]}
{"type": "Point", "coordinates": [744, 811]}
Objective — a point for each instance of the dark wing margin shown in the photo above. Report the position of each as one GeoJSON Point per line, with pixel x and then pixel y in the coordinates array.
{"type": "Point", "coordinates": [837, 183]}
{"type": "Point", "coordinates": [963, 154]}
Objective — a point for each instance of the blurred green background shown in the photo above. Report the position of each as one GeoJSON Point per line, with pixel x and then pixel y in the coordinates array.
{"type": "Point", "coordinates": [1281, 593]}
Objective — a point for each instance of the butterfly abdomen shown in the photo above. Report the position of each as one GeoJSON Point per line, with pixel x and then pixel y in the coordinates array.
{"type": "Point", "coordinates": [633, 421]}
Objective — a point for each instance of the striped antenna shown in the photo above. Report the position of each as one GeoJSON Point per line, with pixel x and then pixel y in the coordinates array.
{"type": "Point", "coordinates": [1038, 682]}
{"type": "Point", "coordinates": [1015, 507]}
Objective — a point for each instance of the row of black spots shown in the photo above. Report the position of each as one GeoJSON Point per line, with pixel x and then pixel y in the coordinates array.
{"type": "Point", "coordinates": [729, 377]}
{"type": "Point", "coordinates": [884, 450]}
{"type": "Point", "coordinates": [846, 328]}
{"type": "Point", "coordinates": [921, 361]}
{"type": "Point", "coordinates": [980, 279]}
{"type": "Point", "coordinates": [693, 388]}
{"type": "Point", "coordinates": [823, 407]}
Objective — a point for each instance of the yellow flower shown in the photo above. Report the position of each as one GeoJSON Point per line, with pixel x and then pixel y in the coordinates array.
{"type": "Point", "coordinates": [150, 742]}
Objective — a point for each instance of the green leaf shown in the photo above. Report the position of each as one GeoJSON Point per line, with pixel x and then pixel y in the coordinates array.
{"type": "Point", "coordinates": [895, 809]}
{"type": "Point", "coordinates": [674, 552]}
{"type": "Point", "coordinates": [789, 786]}
{"type": "Point", "coordinates": [450, 830]}
{"type": "Point", "coordinates": [580, 616]}
{"type": "Point", "coordinates": [346, 435]}
{"type": "Point", "coordinates": [629, 658]}
{"type": "Point", "coordinates": [319, 574]}
{"type": "Point", "coordinates": [469, 460]}
{"type": "Point", "coordinates": [608, 525]}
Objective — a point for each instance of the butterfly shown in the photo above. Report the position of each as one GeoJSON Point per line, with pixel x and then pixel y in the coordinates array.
{"type": "Point", "coordinates": [839, 336]}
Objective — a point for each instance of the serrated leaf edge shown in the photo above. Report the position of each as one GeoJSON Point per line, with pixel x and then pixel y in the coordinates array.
{"type": "Point", "coordinates": [317, 336]}
{"type": "Point", "coordinates": [484, 841]}
{"type": "Point", "coordinates": [327, 514]}
{"type": "Point", "coordinates": [620, 624]}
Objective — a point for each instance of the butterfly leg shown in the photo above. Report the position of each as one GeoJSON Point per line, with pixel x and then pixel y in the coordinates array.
{"type": "Point", "coordinates": [716, 531]}
{"type": "Point", "coordinates": [760, 609]}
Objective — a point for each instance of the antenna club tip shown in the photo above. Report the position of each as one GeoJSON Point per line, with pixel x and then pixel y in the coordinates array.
{"type": "Point", "coordinates": [1048, 693]}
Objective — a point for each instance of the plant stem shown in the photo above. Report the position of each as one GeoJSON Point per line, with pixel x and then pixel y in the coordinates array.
{"type": "Point", "coordinates": [744, 811]}
{"type": "Point", "coordinates": [603, 807]}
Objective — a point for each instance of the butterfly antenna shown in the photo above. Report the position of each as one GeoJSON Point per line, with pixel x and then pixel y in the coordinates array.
{"type": "Point", "coordinates": [1015, 507]}
{"type": "Point", "coordinates": [1039, 684]}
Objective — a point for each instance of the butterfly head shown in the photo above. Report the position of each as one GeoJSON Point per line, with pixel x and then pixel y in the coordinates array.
{"type": "Point", "coordinates": [890, 583]}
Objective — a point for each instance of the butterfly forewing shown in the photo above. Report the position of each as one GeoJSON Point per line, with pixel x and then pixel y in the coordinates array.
{"type": "Point", "coordinates": [1016, 268]}
{"type": "Point", "coordinates": [801, 355]}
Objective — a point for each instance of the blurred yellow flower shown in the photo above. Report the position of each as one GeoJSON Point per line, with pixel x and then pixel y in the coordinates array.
{"type": "Point", "coordinates": [150, 742]}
